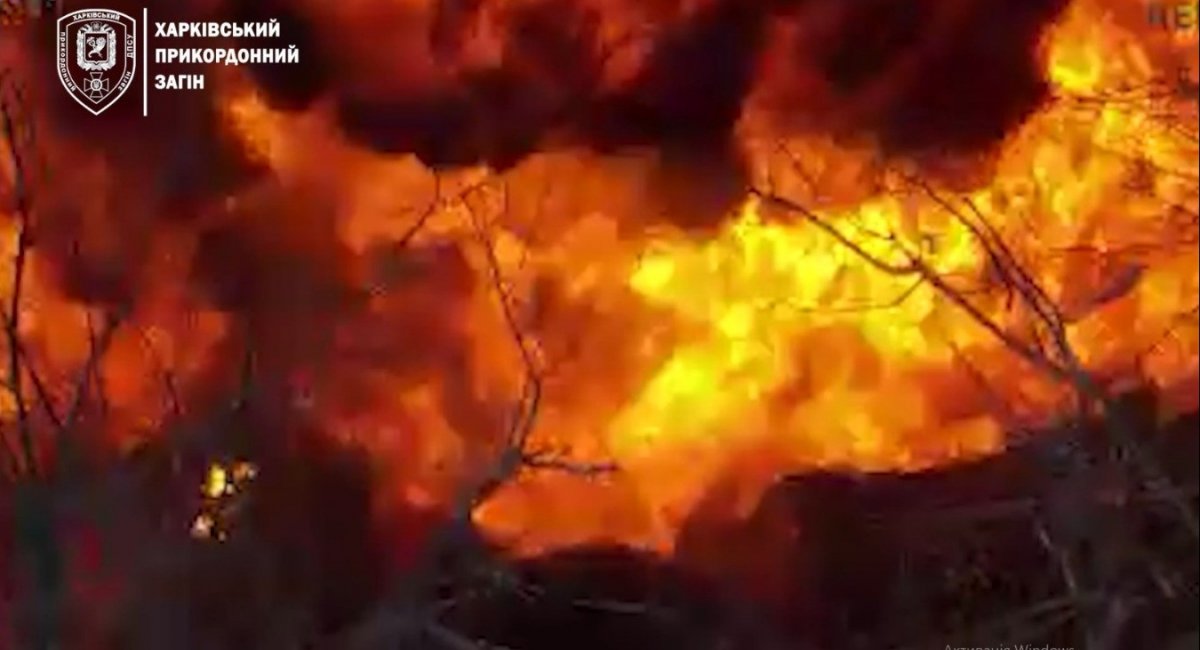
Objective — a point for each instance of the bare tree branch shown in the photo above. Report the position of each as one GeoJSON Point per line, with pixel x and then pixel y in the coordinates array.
{"type": "Point", "coordinates": [16, 376]}
{"type": "Point", "coordinates": [1060, 363]}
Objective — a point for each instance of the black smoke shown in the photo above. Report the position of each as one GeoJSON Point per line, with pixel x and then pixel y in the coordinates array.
{"type": "Point", "coordinates": [937, 74]}
{"type": "Point", "coordinates": [947, 77]}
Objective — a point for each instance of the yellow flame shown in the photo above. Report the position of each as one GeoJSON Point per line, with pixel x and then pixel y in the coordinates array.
{"type": "Point", "coordinates": [216, 482]}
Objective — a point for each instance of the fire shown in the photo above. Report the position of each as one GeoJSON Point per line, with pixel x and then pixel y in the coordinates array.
{"type": "Point", "coordinates": [779, 341]}
{"type": "Point", "coordinates": [806, 355]}
{"type": "Point", "coordinates": [224, 486]}
{"type": "Point", "coordinates": [783, 307]}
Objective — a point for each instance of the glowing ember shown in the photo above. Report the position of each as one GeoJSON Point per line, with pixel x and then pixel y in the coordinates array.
{"type": "Point", "coordinates": [222, 491]}
{"type": "Point", "coordinates": [217, 483]}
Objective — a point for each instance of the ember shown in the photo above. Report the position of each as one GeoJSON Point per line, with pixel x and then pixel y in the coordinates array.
{"type": "Point", "coordinates": [222, 493]}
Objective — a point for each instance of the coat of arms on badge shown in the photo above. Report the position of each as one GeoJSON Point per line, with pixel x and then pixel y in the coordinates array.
{"type": "Point", "coordinates": [97, 56]}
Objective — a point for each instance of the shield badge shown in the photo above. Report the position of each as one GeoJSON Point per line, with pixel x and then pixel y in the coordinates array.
{"type": "Point", "coordinates": [97, 56]}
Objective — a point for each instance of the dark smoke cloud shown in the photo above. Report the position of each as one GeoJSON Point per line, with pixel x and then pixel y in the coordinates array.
{"type": "Point", "coordinates": [935, 73]}
{"type": "Point", "coordinates": [919, 76]}
{"type": "Point", "coordinates": [496, 115]}
{"type": "Point", "coordinates": [939, 75]}
{"type": "Point", "coordinates": [289, 86]}
{"type": "Point", "coordinates": [690, 92]}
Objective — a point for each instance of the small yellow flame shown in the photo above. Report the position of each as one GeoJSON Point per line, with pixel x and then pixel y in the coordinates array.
{"type": "Point", "coordinates": [222, 487]}
{"type": "Point", "coordinates": [216, 483]}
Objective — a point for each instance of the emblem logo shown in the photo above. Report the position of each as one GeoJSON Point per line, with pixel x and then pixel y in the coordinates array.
{"type": "Point", "coordinates": [97, 56]}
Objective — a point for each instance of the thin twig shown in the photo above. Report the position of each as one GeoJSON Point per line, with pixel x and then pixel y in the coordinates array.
{"type": "Point", "coordinates": [13, 321]}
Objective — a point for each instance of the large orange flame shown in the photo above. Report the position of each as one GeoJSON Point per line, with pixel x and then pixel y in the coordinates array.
{"type": "Point", "coordinates": [788, 350]}
{"type": "Point", "coordinates": [780, 343]}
